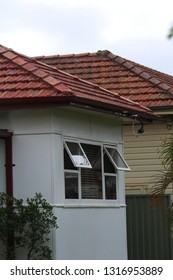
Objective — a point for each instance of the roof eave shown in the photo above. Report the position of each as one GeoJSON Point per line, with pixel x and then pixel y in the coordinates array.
{"type": "Point", "coordinates": [161, 108]}
{"type": "Point", "coordinates": [98, 106]}
{"type": "Point", "coordinates": [31, 102]}
{"type": "Point", "coordinates": [113, 109]}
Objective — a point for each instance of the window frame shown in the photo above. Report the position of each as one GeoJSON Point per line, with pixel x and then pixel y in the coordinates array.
{"type": "Point", "coordinates": [96, 201]}
{"type": "Point", "coordinates": [110, 175]}
{"type": "Point", "coordinates": [127, 168]}
{"type": "Point", "coordinates": [77, 172]}
{"type": "Point", "coordinates": [7, 136]}
{"type": "Point", "coordinates": [88, 165]}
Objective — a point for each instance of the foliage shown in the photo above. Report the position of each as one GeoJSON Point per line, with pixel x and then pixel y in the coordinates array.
{"type": "Point", "coordinates": [170, 33]}
{"type": "Point", "coordinates": [10, 223]}
{"type": "Point", "coordinates": [167, 153]}
{"type": "Point", "coordinates": [164, 178]}
{"type": "Point", "coordinates": [39, 221]}
{"type": "Point", "coordinates": [26, 226]}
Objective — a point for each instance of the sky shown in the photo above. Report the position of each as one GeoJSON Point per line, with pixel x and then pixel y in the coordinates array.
{"type": "Point", "coordinates": [134, 29]}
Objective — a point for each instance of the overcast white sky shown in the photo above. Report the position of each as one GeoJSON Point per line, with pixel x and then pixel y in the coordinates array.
{"type": "Point", "coordinates": [134, 29]}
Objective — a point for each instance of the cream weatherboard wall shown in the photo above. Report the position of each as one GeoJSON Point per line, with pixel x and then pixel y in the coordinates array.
{"type": "Point", "coordinates": [142, 154]}
{"type": "Point", "coordinates": [88, 229]}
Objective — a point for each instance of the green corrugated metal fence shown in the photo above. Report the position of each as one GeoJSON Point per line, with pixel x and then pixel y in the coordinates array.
{"type": "Point", "coordinates": [148, 229]}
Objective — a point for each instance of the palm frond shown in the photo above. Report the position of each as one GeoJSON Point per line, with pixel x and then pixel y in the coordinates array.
{"type": "Point", "coordinates": [166, 153]}
{"type": "Point", "coordinates": [161, 182]}
{"type": "Point", "coordinates": [164, 178]}
{"type": "Point", "coordinates": [170, 33]}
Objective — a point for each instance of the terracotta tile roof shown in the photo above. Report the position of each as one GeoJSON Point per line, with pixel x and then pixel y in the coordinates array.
{"type": "Point", "coordinates": [25, 80]}
{"type": "Point", "coordinates": [136, 82]}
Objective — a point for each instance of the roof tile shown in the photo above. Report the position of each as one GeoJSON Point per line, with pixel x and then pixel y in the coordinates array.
{"type": "Point", "coordinates": [19, 60]}
{"type": "Point", "coordinates": [29, 66]}
{"type": "Point", "coordinates": [40, 73]}
{"type": "Point", "coordinates": [164, 86]}
{"type": "Point", "coordinates": [23, 79]}
{"type": "Point", "coordinates": [10, 55]}
{"type": "Point", "coordinates": [145, 75]}
{"type": "Point", "coordinates": [2, 49]}
{"type": "Point", "coordinates": [51, 80]}
{"type": "Point", "coordinates": [129, 79]}
{"type": "Point", "coordinates": [128, 64]}
{"type": "Point", "coordinates": [155, 81]}
{"type": "Point", "coordinates": [137, 70]}
{"type": "Point", "coordinates": [170, 91]}
{"type": "Point", "coordinates": [120, 60]}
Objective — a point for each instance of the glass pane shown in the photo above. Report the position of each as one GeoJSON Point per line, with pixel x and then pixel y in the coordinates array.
{"type": "Point", "coordinates": [77, 155]}
{"type": "Point", "coordinates": [116, 158]}
{"type": "Point", "coordinates": [110, 187]}
{"type": "Point", "coordinates": [67, 161]}
{"type": "Point", "coordinates": [71, 185]}
{"type": "Point", "coordinates": [108, 165]}
{"type": "Point", "coordinates": [91, 182]}
{"type": "Point", "coordinates": [91, 179]}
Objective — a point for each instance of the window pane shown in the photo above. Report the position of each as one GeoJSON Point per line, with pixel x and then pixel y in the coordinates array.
{"type": "Point", "coordinates": [116, 158]}
{"type": "Point", "coordinates": [91, 179]}
{"type": "Point", "coordinates": [110, 187]}
{"type": "Point", "coordinates": [77, 155]}
{"type": "Point", "coordinates": [108, 165]}
{"type": "Point", "coordinates": [67, 161]}
{"type": "Point", "coordinates": [91, 183]}
{"type": "Point", "coordinates": [71, 185]}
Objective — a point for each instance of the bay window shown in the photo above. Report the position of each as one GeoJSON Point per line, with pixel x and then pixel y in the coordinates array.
{"type": "Point", "coordinates": [90, 170]}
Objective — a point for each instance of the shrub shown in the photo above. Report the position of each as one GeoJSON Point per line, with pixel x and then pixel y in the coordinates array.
{"type": "Point", "coordinates": [26, 226]}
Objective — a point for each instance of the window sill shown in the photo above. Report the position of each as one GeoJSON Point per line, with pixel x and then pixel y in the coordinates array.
{"type": "Point", "coordinates": [89, 205]}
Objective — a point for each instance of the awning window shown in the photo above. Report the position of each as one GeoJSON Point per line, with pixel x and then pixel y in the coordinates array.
{"type": "Point", "coordinates": [77, 154]}
{"type": "Point", "coordinates": [116, 159]}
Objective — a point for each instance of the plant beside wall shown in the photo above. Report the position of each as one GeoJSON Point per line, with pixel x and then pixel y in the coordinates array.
{"type": "Point", "coordinates": [11, 225]}
{"type": "Point", "coordinates": [26, 227]}
{"type": "Point", "coordinates": [164, 179]}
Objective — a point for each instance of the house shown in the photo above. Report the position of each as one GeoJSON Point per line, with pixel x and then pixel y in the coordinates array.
{"type": "Point", "coordinates": [62, 136]}
{"type": "Point", "coordinates": [154, 90]}
{"type": "Point", "coordinates": [138, 83]}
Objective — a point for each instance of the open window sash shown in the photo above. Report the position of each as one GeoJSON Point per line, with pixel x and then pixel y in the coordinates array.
{"type": "Point", "coordinates": [77, 154]}
{"type": "Point", "coordinates": [117, 160]}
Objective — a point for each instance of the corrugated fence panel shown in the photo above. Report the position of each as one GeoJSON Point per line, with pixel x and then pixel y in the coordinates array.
{"type": "Point", "coordinates": [148, 230]}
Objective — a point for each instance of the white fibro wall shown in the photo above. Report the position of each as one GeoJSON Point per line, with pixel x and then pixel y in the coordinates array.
{"type": "Point", "coordinates": [91, 227]}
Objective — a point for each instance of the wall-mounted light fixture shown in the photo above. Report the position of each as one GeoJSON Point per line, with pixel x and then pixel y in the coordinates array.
{"type": "Point", "coordinates": [141, 128]}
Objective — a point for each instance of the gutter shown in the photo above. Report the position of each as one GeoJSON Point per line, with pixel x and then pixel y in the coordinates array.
{"type": "Point", "coordinates": [84, 103]}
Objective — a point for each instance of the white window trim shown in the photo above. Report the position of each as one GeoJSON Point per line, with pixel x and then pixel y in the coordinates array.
{"type": "Point", "coordinates": [95, 202]}
{"type": "Point", "coordinates": [74, 158]}
{"type": "Point", "coordinates": [126, 168]}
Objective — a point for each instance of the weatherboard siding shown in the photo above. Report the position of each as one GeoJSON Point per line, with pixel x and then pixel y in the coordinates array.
{"type": "Point", "coordinates": [142, 154]}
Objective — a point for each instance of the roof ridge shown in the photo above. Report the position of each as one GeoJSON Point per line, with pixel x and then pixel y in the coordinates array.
{"type": "Point", "coordinates": [75, 87]}
{"type": "Point", "coordinates": [25, 63]}
{"type": "Point", "coordinates": [64, 55]}
{"type": "Point", "coordinates": [137, 69]}
{"type": "Point", "coordinates": [87, 82]}
{"type": "Point", "coordinates": [100, 52]}
{"type": "Point", "coordinates": [99, 87]}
